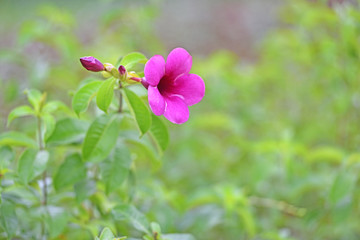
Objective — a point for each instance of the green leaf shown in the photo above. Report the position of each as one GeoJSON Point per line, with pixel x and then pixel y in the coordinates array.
{"type": "Point", "coordinates": [53, 106]}
{"type": "Point", "coordinates": [8, 219]}
{"type": "Point", "coordinates": [160, 132]}
{"type": "Point", "coordinates": [101, 137]}
{"type": "Point", "coordinates": [16, 139]}
{"type": "Point", "coordinates": [106, 234]}
{"type": "Point", "coordinates": [56, 220]}
{"type": "Point", "coordinates": [68, 131]}
{"type": "Point", "coordinates": [31, 164]}
{"type": "Point", "coordinates": [84, 95]}
{"type": "Point", "coordinates": [20, 111]}
{"type": "Point", "coordinates": [40, 163]}
{"type": "Point", "coordinates": [84, 189]}
{"type": "Point", "coordinates": [139, 110]}
{"type": "Point", "coordinates": [35, 98]}
{"type": "Point", "coordinates": [115, 169]}
{"type": "Point", "coordinates": [130, 60]}
{"type": "Point", "coordinates": [105, 94]}
{"type": "Point", "coordinates": [133, 215]}
{"type": "Point", "coordinates": [6, 156]}
{"type": "Point", "coordinates": [70, 172]}
{"type": "Point", "coordinates": [49, 122]}
{"type": "Point", "coordinates": [342, 186]}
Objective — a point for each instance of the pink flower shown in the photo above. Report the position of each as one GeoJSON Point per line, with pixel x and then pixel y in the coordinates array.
{"type": "Point", "coordinates": [171, 87]}
{"type": "Point", "coordinates": [92, 64]}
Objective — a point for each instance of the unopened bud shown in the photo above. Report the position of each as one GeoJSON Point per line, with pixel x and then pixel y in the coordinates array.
{"type": "Point", "coordinates": [111, 69]}
{"type": "Point", "coordinates": [92, 64]}
{"type": "Point", "coordinates": [123, 73]}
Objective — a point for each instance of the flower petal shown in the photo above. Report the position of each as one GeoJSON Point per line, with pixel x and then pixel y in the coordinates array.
{"type": "Point", "coordinates": [191, 87]}
{"type": "Point", "coordinates": [178, 62]}
{"type": "Point", "coordinates": [176, 110]}
{"type": "Point", "coordinates": [154, 70]}
{"type": "Point", "coordinates": [156, 101]}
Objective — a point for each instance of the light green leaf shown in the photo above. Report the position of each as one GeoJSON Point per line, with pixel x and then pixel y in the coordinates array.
{"type": "Point", "coordinates": [115, 169]}
{"type": "Point", "coordinates": [35, 98]}
{"type": "Point", "coordinates": [133, 215]}
{"type": "Point", "coordinates": [40, 163]}
{"type": "Point", "coordinates": [68, 131]}
{"type": "Point", "coordinates": [8, 219]}
{"type": "Point", "coordinates": [160, 132]}
{"type": "Point", "coordinates": [130, 60]}
{"type": "Point", "coordinates": [106, 234]}
{"type": "Point", "coordinates": [70, 172]}
{"type": "Point", "coordinates": [101, 137]}
{"type": "Point", "coordinates": [84, 189]}
{"type": "Point", "coordinates": [342, 186]}
{"type": "Point", "coordinates": [56, 220]}
{"type": "Point", "coordinates": [16, 139]}
{"type": "Point", "coordinates": [6, 156]}
{"type": "Point", "coordinates": [31, 164]}
{"type": "Point", "coordinates": [84, 95]}
{"type": "Point", "coordinates": [25, 165]}
{"type": "Point", "coordinates": [139, 110]}
{"type": "Point", "coordinates": [53, 106]}
{"type": "Point", "coordinates": [20, 111]}
{"type": "Point", "coordinates": [105, 94]}
{"type": "Point", "coordinates": [49, 122]}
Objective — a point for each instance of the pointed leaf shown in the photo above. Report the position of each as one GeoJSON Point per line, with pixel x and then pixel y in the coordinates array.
{"type": "Point", "coordinates": [160, 132]}
{"type": "Point", "coordinates": [115, 169]}
{"type": "Point", "coordinates": [20, 111]}
{"type": "Point", "coordinates": [84, 95]}
{"type": "Point", "coordinates": [101, 137]}
{"type": "Point", "coordinates": [16, 139]}
{"type": "Point", "coordinates": [31, 164]}
{"type": "Point", "coordinates": [130, 60]}
{"type": "Point", "coordinates": [40, 163]}
{"type": "Point", "coordinates": [133, 215]}
{"type": "Point", "coordinates": [106, 234]}
{"type": "Point", "coordinates": [105, 94]}
{"type": "Point", "coordinates": [70, 172]}
{"type": "Point", "coordinates": [139, 110]}
{"type": "Point", "coordinates": [68, 131]}
{"type": "Point", "coordinates": [53, 106]}
{"type": "Point", "coordinates": [49, 122]}
{"type": "Point", "coordinates": [34, 97]}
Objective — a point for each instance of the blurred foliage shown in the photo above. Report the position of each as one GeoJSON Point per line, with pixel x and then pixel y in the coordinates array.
{"type": "Point", "coordinates": [271, 152]}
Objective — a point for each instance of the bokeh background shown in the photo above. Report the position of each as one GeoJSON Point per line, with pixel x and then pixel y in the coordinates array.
{"type": "Point", "coordinates": [271, 152]}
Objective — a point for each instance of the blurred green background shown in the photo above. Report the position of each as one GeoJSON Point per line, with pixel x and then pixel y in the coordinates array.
{"type": "Point", "coordinates": [271, 152]}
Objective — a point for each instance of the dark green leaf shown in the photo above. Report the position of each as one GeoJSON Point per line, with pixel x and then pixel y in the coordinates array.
{"type": "Point", "coordinates": [16, 139]}
{"type": "Point", "coordinates": [101, 137]}
{"type": "Point", "coordinates": [105, 94]}
{"type": "Point", "coordinates": [139, 110]}
{"type": "Point", "coordinates": [70, 172]}
{"type": "Point", "coordinates": [115, 169]}
{"type": "Point", "coordinates": [68, 131]}
{"type": "Point", "coordinates": [133, 215]}
{"type": "Point", "coordinates": [84, 95]}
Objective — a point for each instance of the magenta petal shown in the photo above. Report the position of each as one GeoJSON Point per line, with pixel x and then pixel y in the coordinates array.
{"type": "Point", "coordinates": [156, 101]}
{"type": "Point", "coordinates": [191, 87]}
{"type": "Point", "coordinates": [154, 70]}
{"type": "Point", "coordinates": [178, 62]}
{"type": "Point", "coordinates": [176, 110]}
